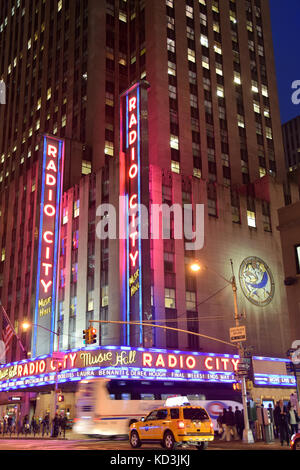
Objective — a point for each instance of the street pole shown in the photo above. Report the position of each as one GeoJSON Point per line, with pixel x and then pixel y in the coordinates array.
{"type": "Point", "coordinates": [247, 433]}
{"type": "Point", "coordinates": [56, 376]}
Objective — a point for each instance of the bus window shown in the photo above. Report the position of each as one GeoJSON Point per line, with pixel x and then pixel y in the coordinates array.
{"type": "Point", "coordinates": [126, 396]}
{"type": "Point", "coordinates": [195, 397]}
{"type": "Point", "coordinates": [147, 396]}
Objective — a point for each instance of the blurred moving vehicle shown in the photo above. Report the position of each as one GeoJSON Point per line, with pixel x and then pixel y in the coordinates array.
{"type": "Point", "coordinates": [295, 441]}
{"type": "Point", "coordinates": [106, 408]}
{"type": "Point", "coordinates": [174, 426]}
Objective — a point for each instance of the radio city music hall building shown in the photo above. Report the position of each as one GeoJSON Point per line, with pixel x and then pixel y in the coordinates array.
{"type": "Point", "coordinates": [204, 117]}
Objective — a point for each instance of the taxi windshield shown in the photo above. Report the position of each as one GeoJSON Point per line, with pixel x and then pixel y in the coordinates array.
{"type": "Point", "coordinates": [195, 414]}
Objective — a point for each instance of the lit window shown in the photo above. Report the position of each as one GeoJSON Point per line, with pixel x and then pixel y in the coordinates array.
{"type": "Point", "coordinates": [197, 173]}
{"type": "Point", "coordinates": [170, 301]}
{"type": "Point", "coordinates": [59, 5]}
{"type": "Point", "coordinates": [175, 167]}
{"type": "Point", "coordinates": [256, 107]}
{"type": "Point", "coordinates": [109, 148]}
{"type": "Point", "coordinates": [171, 68]}
{"type": "Point", "coordinates": [262, 172]}
{"type": "Point", "coordinates": [3, 254]}
{"type": "Point", "coordinates": [237, 78]}
{"type": "Point", "coordinates": [65, 215]}
{"type": "Point", "coordinates": [220, 91]}
{"type": "Point", "coordinates": [241, 121]}
{"type": "Point", "coordinates": [251, 219]}
{"type": "Point", "coordinates": [297, 248]}
{"type": "Point", "coordinates": [76, 208]}
{"type": "Point", "coordinates": [123, 17]}
{"type": "Point", "coordinates": [174, 142]}
{"type": "Point", "coordinates": [269, 133]}
{"type": "Point", "coordinates": [86, 167]}
{"type": "Point", "coordinates": [204, 40]}
{"type": "Point", "coordinates": [219, 69]}
{"type": "Point", "coordinates": [264, 91]}
{"type": "Point", "coordinates": [205, 62]}
{"type": "Point", "coordinates": [191, 55]}
{"type": "Point", "coordinates": [104, 296]}
{"type": "Point", "coordinates": [218, 48]}
{"type": "Point", "coordinates": [216, 27]}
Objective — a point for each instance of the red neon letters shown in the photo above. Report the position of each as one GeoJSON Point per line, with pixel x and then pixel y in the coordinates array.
{"type": "Point", "coordinates": [180, 361]}
{"type": "Point", "coordinates": [49, 214]}
{"type": "Point", "coordinates": [133, 179]}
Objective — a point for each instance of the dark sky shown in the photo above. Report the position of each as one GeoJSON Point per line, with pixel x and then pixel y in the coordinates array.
{"type": "Point", "coordinates": [285, 17]}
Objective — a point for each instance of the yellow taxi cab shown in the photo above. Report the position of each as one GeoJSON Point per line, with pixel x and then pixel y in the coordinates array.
{"type": "Point", "coordinates": [172, 426]}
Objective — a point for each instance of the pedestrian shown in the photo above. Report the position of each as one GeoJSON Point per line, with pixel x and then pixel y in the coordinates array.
{"type": "Point", "coordinates": [33, 425]}
{"type": "Point", "coordinates": [55, 426]}
{"type": "Point", "coordinates": [230, 425]}
{"type": "Point", "coordinates": [292, 419]}
{"type": "Point", "coordinates": [239, 422]}
{"type": "Point", "coordinates": [276, 420]}
{"type": "Point", "coordinates": [10, 425]}
{"type": "Point", "coordinates": [281, 414]}
{"type": "Point", "coordinates": [63, 425]}
{"type": "Point", "coordinates": [26, 427]}
{"type": "Point", "coordinates": [223, 423]}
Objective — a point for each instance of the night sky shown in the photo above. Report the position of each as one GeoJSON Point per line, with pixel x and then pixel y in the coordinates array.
{"type": "Point", "coordinates": [285, 17]}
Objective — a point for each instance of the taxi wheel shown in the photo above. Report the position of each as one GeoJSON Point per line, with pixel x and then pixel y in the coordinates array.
{"type": "Point", "coordinates": [202, 446]}
{"type": "Point", "coordinates": [135, 440]}
{"type": "Point", "coordinates": [297, 444]}
{"type": "Point", "coordinates": [169, 441]}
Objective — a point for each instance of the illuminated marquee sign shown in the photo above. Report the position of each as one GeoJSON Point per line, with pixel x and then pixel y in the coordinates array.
{"type": "Point", "coordinates": [131, 363]}
{"type": "Point", "coordinates": [132, 156]}
{"type": "Point", "coordinates": [48, 243]}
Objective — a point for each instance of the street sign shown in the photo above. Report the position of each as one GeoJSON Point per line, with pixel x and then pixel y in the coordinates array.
{"type": "Point", "coordinates": [237, 334]}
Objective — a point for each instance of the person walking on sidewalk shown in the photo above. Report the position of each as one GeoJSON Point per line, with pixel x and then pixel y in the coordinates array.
{"type": "Point", "coordinates": [292, 419]}
{"type": "Point", "coordinates": [230, 425]}
{"type": "Point", "coordinates": [239, 422]}
{"type": "Point", "coordinates": [223, 424]}
{"type": "Point", "coordinates": [281, 414]}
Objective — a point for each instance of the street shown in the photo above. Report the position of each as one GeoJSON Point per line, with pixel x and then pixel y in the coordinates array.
{"type": "Point", "coordinates": [96, 444]}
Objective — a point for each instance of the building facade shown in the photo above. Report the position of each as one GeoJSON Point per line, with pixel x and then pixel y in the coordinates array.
{"type": "Point", "coordinates": [214, 138]}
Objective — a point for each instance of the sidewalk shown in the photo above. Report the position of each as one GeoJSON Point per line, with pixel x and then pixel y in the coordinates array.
{"type": "Point", "coordinates": [239, 445]}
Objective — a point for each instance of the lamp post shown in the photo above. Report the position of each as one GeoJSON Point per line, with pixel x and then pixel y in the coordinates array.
{"type": "Point", "coordinates": [197, 267]}
{"type": "Point", "coordinates": [26, 325]}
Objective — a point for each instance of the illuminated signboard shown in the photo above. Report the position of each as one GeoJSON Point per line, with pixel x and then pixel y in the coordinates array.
{"type": "Point", "coordinates": [130, 363]}
{"type": "Point", "coordinates": [134, 187]}
{"type": "Point", "coordinates": [50, 187]}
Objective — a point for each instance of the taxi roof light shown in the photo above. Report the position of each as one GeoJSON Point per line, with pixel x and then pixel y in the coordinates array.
{"type": "Point", "coordinates": [177, 401]}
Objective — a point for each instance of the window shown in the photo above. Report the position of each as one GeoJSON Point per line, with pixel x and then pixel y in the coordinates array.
{"type": "Point", "coordinates": [174, 412]}
{"type": "Point", "coordinates": [251, 219]}
{"type": "Point", "coordinates": [170, 301]}
{"type": "Point", "coordinates": [190, 300]}
{"type": "Point", "coordinates": [297, 249]}
{"type": "Point", "coordinates": [175, 167]}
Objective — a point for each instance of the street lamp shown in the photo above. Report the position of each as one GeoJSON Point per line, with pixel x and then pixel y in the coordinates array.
{"type": "Point", "coordinates": [197, 267]}
{"type": "Point", "coordinates": [26, 325]}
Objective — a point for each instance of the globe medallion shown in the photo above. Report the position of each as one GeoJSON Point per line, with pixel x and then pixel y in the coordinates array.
{"type": "Point", "coordinates": [256, 281]}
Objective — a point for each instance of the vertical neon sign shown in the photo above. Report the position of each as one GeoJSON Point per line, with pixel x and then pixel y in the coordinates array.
{"type": "Point", "coordinates": [130, 174]}
{"type": "Point", "coordinates": [51, 178]}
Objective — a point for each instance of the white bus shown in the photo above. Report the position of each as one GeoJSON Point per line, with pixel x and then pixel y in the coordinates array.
{"type": "Point", "coordinates": [106, 408]}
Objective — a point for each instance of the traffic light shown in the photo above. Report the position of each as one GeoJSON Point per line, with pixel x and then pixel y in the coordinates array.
{"type": "Point", "coordinates": [93, 336]}
{"type": "Point", "coordinates": [90, 336]}
{"type": "Point", "coordinates": [60, 398]}
{"type": "Point", "coordinates": [237, 386]}
{"type": "Point", "coordinates": [85, 336]}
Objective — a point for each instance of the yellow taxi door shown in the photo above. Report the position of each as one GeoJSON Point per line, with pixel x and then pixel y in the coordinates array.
{"type": "Point", "coordinates": [147, 427]}
{"type": "Point", "coordinates": [161, 423]}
